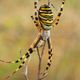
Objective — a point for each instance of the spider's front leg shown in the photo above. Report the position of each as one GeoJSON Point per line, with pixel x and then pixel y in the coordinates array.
{"type": "Point", "coordinates": [56, 21]}
{"type": "Point", "coordinates": [35, 17]}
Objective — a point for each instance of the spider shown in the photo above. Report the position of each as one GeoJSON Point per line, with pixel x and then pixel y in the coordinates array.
{"type": "Point", "coordinates": [44, 21]}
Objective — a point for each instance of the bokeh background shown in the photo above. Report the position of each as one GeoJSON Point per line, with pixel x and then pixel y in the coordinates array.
{"type": "Point", "coordinates": [17, 32]}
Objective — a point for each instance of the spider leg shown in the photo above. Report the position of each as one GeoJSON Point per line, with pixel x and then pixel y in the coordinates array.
{"type": "Point", "coordinates": [49, 57]}
{"type": "Point", "coordinates": [35, 18]}
{"type": "Point", "coordinates": [27, 55]}
{"type": "Point", "coordinates": [36, 24]}
{"type": "Point", "coordinates": [36, 9]}
{"type": "Point", "coordinates": [18, 60]}
{"type": "Point", "coordinates": [56, 20]}
{"type": "Point", "coordinates": [14, 62]}
{"type": "Point", "coordinates": [30, 50]}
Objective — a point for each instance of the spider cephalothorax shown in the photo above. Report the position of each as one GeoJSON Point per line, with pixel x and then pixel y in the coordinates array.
{"type": "Point", "coordinates": [45, 17]}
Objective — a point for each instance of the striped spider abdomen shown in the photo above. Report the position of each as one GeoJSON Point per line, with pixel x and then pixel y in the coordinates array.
{"type": "Point", "coordinates": [45, 17]}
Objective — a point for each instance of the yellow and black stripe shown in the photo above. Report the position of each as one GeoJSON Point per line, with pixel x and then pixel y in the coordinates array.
{"type": "Point", "coordinates": [45, 16]}
{"type": "Point", "coordinates": [56, 21]}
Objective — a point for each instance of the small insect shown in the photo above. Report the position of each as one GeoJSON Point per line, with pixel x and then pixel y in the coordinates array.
{"type": "Point", "coordinates": [44, 20]}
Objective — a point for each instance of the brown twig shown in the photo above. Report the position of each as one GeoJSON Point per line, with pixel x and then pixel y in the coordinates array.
{"type": "Point", "coordinates": [26, 65]}
{"type": "Point", "coordinates": [40, 61]}
{"type": "Point", "coordinates": [40, 56]}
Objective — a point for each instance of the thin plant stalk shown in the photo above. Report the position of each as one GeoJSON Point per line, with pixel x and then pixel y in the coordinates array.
{"type": "Point", "coordinates": [40, 56]}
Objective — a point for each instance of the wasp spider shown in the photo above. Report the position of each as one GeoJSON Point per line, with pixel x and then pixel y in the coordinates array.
{"type": "Point", "coordinates": [44, 21]}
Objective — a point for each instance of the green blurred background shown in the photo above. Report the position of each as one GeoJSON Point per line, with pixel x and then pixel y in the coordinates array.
{"type": "Point", "coordinates": [17, 32]}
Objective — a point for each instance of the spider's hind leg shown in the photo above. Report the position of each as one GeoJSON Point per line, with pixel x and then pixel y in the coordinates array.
{"type": "Point", "coordinates": [49, 57]}
{"type": "Point", "coordinates": [27, 55]}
